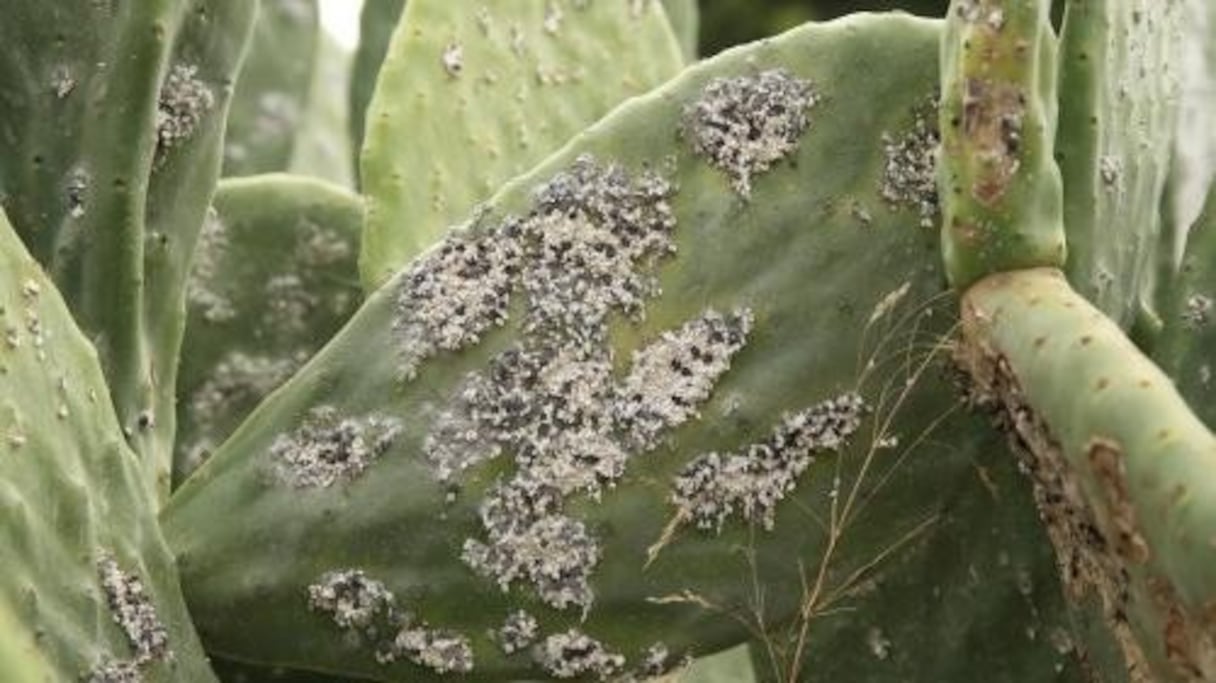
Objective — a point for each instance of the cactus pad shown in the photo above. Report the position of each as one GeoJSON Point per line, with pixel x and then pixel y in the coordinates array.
{"type": "Point", "coordinates": [1123, 469]}
{"type": "Point", "coordinates": [274, 277]}
{"type": "Point", "coordinates": [468, 100]}
{"type": "Point", "coordinates": [89, 590]}
{"type": "Point", "coordinates": [532, 473]}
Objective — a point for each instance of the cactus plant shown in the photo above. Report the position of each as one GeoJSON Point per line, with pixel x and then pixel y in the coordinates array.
{"type": "Point", "coordinates": [585, 387]}
{"type": "Point", "coordinates": [522, 78]}
{"type": "Point", "coordinates": [116, 142]}
{"type": "Point", "coordinates": [274, 277]}
{"type": "Point", "coordinates": [90, 591]}
{"type": "Point", "coordinates": [271, 99]}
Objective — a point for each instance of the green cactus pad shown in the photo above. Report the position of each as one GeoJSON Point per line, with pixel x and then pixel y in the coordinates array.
{"type": "Point", "coordinates": [115, 142]}
{"type": "Point", "coordinates": [274, 278]}
{"type": "Point", "coordinates": [1188, 349]}
{"type": "Point", "coordinates": [213, 37]}
{"type": "Point", "coordinates": [272, 93]}
{"type": "Point", "coordinates": [89, 586]}
{"type": "Point", "coordinates": [376, 22]}
{"type": "Point", "coordinates": [1119, 70]}
{"type": "Point", "coordinates": [1123, 468]}
{"type": "Point", "coordinates": [1001, 186]}
{"type": "Point", "coordinates": [466, 100]}
{"type": "Point", "coordinates": [365, 577]}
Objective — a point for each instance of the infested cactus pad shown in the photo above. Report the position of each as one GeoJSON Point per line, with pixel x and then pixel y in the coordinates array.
{"type": "Point", "coordinates": [617, 315]}
{"type": "Point", "coordinates": [273, 277]}
{"type": "Point", "coordinates": [743, 125]}
{"type": "Point", "coordinates": [114, 120]}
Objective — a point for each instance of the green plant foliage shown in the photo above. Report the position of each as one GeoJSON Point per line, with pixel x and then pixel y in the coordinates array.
{"type": "Point", "coordinates": [272, 95]}
{"type": "Point", "coordinates": [1122, 465]}
{"type": "Point", "coordinates": [376, 22]}
{"type": "Point", "coordinates": [730, 666]}
{"type": "Point", "coordinates": [685, 18]}
{"type": "Point", "coordinates": [89, 587]}
{"type": "Point", "coordinates": [274, 278]}
{"type": "Point", "coordinates": [379, 508]}
{"type": "Point", "coordinates": [115, 142]}
{"type": "Point", "coordinates": [1114, 146]}
{"type": "Point", "coordinates": [468, 100]}
{"type": "Point", "coordinates": [1001, 209]}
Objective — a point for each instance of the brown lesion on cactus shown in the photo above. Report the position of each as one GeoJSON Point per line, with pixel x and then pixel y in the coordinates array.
{"type": "Point", "coordinates": [1084, 556]}
{"type": "Point", "coordinates": [993, 113]}
{"type": "Point", "coordinates": [1190, 646]}
{"type": "Point", "coordinates": [909, 177]}
{"type": "Point", "coordinates": [1106, 462]}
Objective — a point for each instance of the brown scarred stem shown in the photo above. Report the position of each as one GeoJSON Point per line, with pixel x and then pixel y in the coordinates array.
{"type": "Point", "coordinates": [1000, 187]}
{"type": "Point", "coordinates": [1125, 473]}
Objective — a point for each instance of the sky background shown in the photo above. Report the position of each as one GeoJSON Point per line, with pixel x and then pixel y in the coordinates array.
{"type": "Point", "coordinates": [341, 19]}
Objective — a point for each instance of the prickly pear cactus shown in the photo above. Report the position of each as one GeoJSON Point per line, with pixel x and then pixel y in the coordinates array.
{"type": "Point", "coordinates": [376, 22]}
{"type": "Point", "coordinates": [1114, 145]}
{"type": "Point", "coordinates": [1002, 203]}
{"type": "Point", "coordinates": [272, 92]}
{"type": "Point", "coordinates": [89, 590]}
{"type": "Point", "coordinates": [115, 143]}
{"type": "Point", "coordinates": [1118, 460]}
{"type": "Point", "coordinates": [468, 100]}
{"type": "Point", "coordinates": [274, 278]}
{"type": "Point", "coordinates": [574, 437]}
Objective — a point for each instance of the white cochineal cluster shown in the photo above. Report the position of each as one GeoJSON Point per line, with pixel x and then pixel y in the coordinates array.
{"type": "Point", "coordinates": [715, 486]}
{"type": "Point", "coordinates": [368, 610]}
{"type": "Point", "coordinates": [132, 609]}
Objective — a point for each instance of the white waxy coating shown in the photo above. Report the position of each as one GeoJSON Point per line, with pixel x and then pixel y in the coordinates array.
{"type": "Point", "coordinates": [327, 448]}
{"type": "Point", "coordinates": [132, 609]}
{"type": "Point", "coordinates": [368, 609]}
{"type": "Point", "coordinates": [744, 125]}
{"type": "Point", "coordinates": [574, 653]}
{"type": "Point", "coordinates": [184, 101]}
{"type": "Point", "coordinates": [716, 486]}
